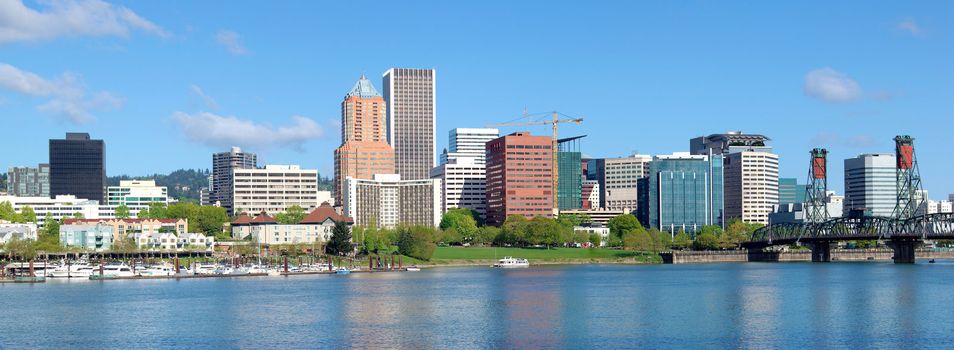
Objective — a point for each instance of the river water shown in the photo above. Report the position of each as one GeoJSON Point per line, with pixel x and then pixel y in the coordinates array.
{"type": "Point", "coordinates": [751, 305]}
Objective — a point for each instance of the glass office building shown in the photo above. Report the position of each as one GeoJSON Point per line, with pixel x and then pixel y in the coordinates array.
{"type": "Point", "coordinates": [790, 192]}
{"type": "Point", "coordinates": [570, 181]}
{"type": "Point", "coordinates": [76, 167]}
{"type": "Point", "coordinates": [684, 192]}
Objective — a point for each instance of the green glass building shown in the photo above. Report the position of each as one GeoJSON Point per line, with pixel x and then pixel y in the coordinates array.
{"type": "Point", "coordinates": [570, 170]}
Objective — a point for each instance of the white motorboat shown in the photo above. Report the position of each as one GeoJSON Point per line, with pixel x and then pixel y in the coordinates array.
{"type": "Point", "coordinates": [80, 269]}
{"type": "Point", "coordinates": [511, 262]}
{"type": "Point", "coordinates": [164, 269]}
{"type": "Point", "coordinates": [223, 270]}
{"type": "Point", "coordinates": [205, 269]}
{"type": "Point", "coordinates": [113, 271]}
{"type": "Point", "coordinates": [412, 268]}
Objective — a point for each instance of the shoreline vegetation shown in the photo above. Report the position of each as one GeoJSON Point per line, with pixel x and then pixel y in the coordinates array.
{"type": "Point", "coordinates": [485, 256]}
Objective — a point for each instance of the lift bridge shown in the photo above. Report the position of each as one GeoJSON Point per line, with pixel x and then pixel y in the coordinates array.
{"type": "Point", "coordinates": [903, 231]}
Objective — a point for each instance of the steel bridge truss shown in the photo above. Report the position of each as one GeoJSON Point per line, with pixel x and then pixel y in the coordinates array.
{"type": "Point", "coordinates": [932, 226]}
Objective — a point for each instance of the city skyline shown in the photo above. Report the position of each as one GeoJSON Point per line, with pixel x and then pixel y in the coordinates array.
{"type": "Point", "coordinates": [849, 91]}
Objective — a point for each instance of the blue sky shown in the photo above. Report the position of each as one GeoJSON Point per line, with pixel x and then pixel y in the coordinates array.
{"type": "Point", "coordinates": [168, 83]}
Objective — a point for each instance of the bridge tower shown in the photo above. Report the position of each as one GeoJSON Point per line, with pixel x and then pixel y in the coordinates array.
{"type": "Point", "coordinates": [816, 196]}
{"type": "Point", "coordinates": [908, 179]}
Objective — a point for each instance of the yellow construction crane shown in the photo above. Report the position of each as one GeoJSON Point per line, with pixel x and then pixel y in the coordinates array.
{"type": "Point", "coordinates": [556, 169]}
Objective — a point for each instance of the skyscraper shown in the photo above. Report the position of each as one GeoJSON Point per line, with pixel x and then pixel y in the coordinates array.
{"type": "Point", "coordinates": [519, 177]}
{"type": "Point", "coordinates": [77, 167]}
{"type": "Point", "coordinates": [223, 165]}
{"type": "Point", "coordinates": [870, 184]}
{"type": "Point", "coordinates": [364, 150]}
{"type": "Point", "coordinates": [618, 180]}
{"type": "Point", "coordinates": [463, 170]}
{"type": "Point", "coordinates": [751, 173]}
{"type": "Point", "coordinates": [570, 180]}
{"type": "Point", "coordinates": [411, 113]}
{"type": "Point", "coordinates": [683, 192]}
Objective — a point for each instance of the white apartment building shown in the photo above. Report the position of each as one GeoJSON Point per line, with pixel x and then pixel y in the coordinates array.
{"type": "Point", "coordinates": [66, 206]}
{"type": "Point", "coordinates": [136, 193]}
{"type": "Point", "coordinates": [618, 178]}
{"type": "Point", "coordinates": [751, 184]}
{"type": "Point", "coordinates": [870, 184]}
{"type": "Point", "coordinates": [275, 188]}
{"type": "Point", "coordinates": [316, 227]}
{"type": "Point", "coordinates": [388, 201]}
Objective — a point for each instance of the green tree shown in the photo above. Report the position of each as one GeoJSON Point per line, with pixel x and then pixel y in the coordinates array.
{"type": "Point", "coordinates": [293, 215]}
{"type": "Point", "coordinates": [450, 236]}
{"type": "Point", "coordinates": [78, 215]}
{"type": "Point", "coordinates": [463, 221]}
{"type": "Point", "coordinates": [124, 245]}
{"type": "Point", "coordinates": [681, 241]}
{"type": "Point", "coordinates": [27, 214]}
{"type": "Point", "coordinates": [487, 234]}
{"type": "Point", "coordinates": [636, 239]}
{"type": "Point", "coordinates": [416, 242]}
{"type": "Point", "coordinates": [340, 243]}
{"type": "Point", "coordinates": [662, 241]}
{"type": "Point", "coordinates": [144, 214]}
{"type": "Point", "coordinates": [513, 231]}
{"type": "Point", "coordinates": [622, 224]}
{"type": "Point", "coordinates": [705, 241]}
{"type": "Point", "coordinates": [122, 212]}
{"type": "Point", "coordinates": [208, 219]}
{"type": "Point", "coordinates": [22, 249]}
{"type": "Point", "coordinates": [596, 239]}
{"type": "Point", "coordinates": [543, 230]}
{"type": "Point", "coordinates": [6, 211]}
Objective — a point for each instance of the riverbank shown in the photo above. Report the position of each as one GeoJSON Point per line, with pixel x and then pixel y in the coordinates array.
{"type": "Point", "coordinates": [486, 256]}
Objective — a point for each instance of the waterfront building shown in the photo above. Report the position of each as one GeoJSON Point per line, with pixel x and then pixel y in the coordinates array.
{"type": "Point", "coordinates": [570, 176]}
{"type": "Point", "coordinates": [410, 95]}
{"type": "Point", "coordinates": [590, 195]}
{"type": "Point", "coordinates": [94, 237]}
{"type": "Point", "coordinates": [470, 143]}
{"type": "Point", "coordinates": [124, 228]}
{"type": "Point", "coordinates": [164, 241]}
{"type": "Point", "coordinates": [751, 185]}
{"type": "Point", "coordinates": [136, 193]}
{"type": "Point", "coordinates": [464, 184]}
{"type": "Point", "coordinates": [29, 181]}
{"type": "Point", "coordinates": [683, 193]}
{"type": "Point", "coordinates": [789, 191]}
{"type": "Point", "coordinates": [275, 188]}
{"type": "Point", "coordinates": [316, 227]}
{"type": "Point", "coordinates": [190, 240]}
{"type": "Point", "coordinates": [77, 167]}
{"type": "Point", "coordinates": [603, 231]}
{"type": "Point", "coordinates": [224, 165]}
{"type": "Point", "coordinates": [65, 207]}
{"type": "Point", "coordinates": [364, 149]}
{"type": "Point", "coordinates": [870, 184]}
{"type": "Point", "coordinates": [519, 177]}
{"type": "Point", "coordinates": [618, 180]}
{"type": "Point", "coordinates": [389, 201]}
{"type": "Point", "coordinates": [21, 231]}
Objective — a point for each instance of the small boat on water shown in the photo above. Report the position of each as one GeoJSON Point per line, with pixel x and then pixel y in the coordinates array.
{"type": "Point", "coordinates": [342, 271]}
{"type": "Point", "coordinates": [205, 269]}
{"type": "Point", "coordinates": [112, 271]}
{"type": "Point", "coordinates": [164, 269]}
{"type": "Point", "coordinates": [511, 262]}
{"type": "Point", "coordinates": [79, 269]}
{"type": "Point", "coordinates": [412, 268]}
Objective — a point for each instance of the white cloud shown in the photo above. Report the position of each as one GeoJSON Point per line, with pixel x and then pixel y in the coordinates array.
{"type": "Point", "coordinates": [831, 86]}
{"type": "Point", "coordinates": [223, 131]}
{"type": "Point", "coordinates": [910, 26]}
{"type": "Point", "coordinates": [208, 100]}
{"type": "Point", "coordinates": [232, 41]}
{"type": "Point", "coordinates": [67, 95]}
{"type": "Point", "coordinates": [70, 18]}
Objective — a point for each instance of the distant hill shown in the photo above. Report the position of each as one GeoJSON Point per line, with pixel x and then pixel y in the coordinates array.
{"type": "Point", "coordinates": [183, 184]}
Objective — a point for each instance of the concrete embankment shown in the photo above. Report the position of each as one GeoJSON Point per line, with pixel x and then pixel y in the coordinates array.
{"type": "Point", "coordinates": [730, 256]}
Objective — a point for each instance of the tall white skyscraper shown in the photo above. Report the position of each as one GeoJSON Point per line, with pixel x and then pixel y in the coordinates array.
{"type": "Point", "coordinates": [412, 120]}
{"type": "Point", "coordinates": [870, 184]}
{"type": "Point", "coordinates": [463, 170]}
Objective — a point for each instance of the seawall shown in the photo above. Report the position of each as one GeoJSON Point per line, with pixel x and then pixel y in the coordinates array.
{"type": "Point", "coordinates": [735, 256]}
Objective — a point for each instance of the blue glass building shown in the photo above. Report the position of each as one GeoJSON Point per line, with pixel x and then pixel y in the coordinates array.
{"type": "Point", "coordinates": [790, 192]}
{"type": "Point", "coordinates": [684, 192]}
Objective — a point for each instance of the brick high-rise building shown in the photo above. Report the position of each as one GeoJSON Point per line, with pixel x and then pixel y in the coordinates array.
{"type": "Point", "coordinates": [364, 150]}
{"type": "Point", "coordinates": [410, 97]}
{"type": "Point", "coordinates": [519, 177]}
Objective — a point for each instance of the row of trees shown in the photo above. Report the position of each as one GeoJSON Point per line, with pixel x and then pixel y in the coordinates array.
{"type": "Point", "coordinates": [627, 232]}
{"type": "Point", "coordinates": [206, 219]}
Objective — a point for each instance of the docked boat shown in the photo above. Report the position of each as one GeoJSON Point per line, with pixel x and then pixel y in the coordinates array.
{"type": "Point", "coordinates": [342, 271]}
{"type": "Point", "coordinates": [511, 262]}
{"type": "Point", "coordinates": [412, 268]}
{"type": "Point", "coordinates": [164, 269]}
{"type": "Point", "coordinates": [205, 269]}
{"type": "Point", "coordinates": [79, 269]}
{"type": "Point", "coordinates": [113, 271]}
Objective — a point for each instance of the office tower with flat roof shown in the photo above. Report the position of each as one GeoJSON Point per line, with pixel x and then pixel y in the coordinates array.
{"type": "Point", "coordinates": [682, 192]}
{"type": "Point", "coordinates": [275, 188]}
{"type": "Point", "coordinates": [412, 119]}
{"type": "Point", "coordinates": [29, 181]}
{"type": "Point", "coordinates": [136, 193]}
{"type": "Point", "coordinates": [463, 170]}
{"type": "Point", "coordinates": [77, 167]}
{"type": "Point", "coordinates": [223, 166]}
{"type": "Point", "coordinates": [870, 184]}
{"type": "Point", "coordinates": [751, 173]}
{"type": "Point", "coordinates": [570, 173]}
{"type": "Point", "coordinates": [618, 180]}
{"type": "Point", "coordinates": [364, 149]}
{"type": "Point", "coordinates": [519, 177]}
{"type": "Point", "coordinates": [790, 191]}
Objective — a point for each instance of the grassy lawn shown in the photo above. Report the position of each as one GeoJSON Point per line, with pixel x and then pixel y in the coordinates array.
{"type": "Point", "coordinates": [449, 255]}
